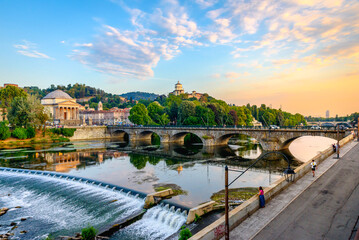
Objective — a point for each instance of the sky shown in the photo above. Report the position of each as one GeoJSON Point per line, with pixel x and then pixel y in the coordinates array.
{"type": "Point", "coordinates": [300, 55]}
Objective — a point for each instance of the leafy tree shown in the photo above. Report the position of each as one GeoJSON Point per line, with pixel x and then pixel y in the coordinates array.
{"type": "Point", "coordinates": [19, 112]}
{"type": "Point", "coordinates": [186, 109]}
{"type": "Point", "coordinates": [233, 119]}
{"type": "Point", "coordinates": [7, 95]}
{"type": "Point", "coordinates": [139, 115]}
{"type": "Point", "coordinates": [191, 120]}
{"type": "Point", "coordinates": [155, 110]}
{"type": "Point", "coordinates": [4, 130]}
{"type": "Point", "coordinates": [205, 116]}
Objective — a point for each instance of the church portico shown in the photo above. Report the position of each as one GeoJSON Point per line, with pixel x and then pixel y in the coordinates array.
{"type": "Point", "coordinates": [63, 109]}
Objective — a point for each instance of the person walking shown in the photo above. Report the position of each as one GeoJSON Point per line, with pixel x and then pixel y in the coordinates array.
{"type": "Point", "coordinates": [262, 201]}
{"type": "Point", "coordinates": [313, 165]}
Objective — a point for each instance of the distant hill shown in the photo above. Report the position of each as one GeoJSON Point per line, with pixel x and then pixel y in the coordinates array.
{"type": "Point", "coordinates": [139, 95]}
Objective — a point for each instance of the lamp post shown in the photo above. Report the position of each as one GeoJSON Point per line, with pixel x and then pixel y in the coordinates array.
{"type": "Point", "coordinates": [289, 175]}
{"type": "Point", "coordinates": [337, 148]}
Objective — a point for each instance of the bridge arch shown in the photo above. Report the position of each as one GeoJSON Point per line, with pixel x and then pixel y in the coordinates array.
{"type": "Point", "coordinates": [180, 137]}
{"type": "Point", "coordinates": [120, 133]}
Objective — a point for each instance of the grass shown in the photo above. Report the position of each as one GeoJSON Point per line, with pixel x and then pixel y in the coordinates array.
{"type": "Point", "coordinates": [234, 194]}
{"type": "Point", "coordinates": [176, 189]}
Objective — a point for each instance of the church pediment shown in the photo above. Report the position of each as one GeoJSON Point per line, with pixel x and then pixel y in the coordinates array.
{"type": "Point", "coordinates": [68, 103]}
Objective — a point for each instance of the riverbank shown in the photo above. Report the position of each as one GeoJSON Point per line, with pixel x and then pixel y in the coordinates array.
{"type": "Point", "coordinates": [50, 137]}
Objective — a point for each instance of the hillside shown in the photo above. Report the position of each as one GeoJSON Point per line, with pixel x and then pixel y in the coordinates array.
{"type": "Point", "coordinates": [140, 95]}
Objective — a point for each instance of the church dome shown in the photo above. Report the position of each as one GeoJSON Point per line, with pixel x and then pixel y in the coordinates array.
{"type": "Point", "coordinates": [57, 94]}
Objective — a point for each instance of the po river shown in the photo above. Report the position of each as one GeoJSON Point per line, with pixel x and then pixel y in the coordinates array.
{"type": "Point", "coordinates": [196, 171]}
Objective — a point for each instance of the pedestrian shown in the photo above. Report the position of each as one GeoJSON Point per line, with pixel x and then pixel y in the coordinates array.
{"type": "Point", "coordinates": [334, 148]}
{"type": "Point", "coordinates": [313, 166]}
{"type": "Point", "coordinates": [262, 201]}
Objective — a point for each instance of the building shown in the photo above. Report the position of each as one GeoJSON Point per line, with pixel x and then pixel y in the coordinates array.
{"type": "Point", "coordinates": [327, 114]}
{"type": "Point", "coordinates": [178, 89]}
{"type": "Point", "coordinates": [63, 109]}
{"type": "Point", "coordinates": [114, 116]}
{"type": "Point", "coordinates": [195, 94]}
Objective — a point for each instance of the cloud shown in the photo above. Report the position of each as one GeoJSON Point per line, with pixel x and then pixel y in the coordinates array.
{"type": "Point", "coordinates": [29, 49]}
{"type": "Point", "coordinates": [206, 3]}
{"type": "Point", "coordinates": [233, 76]}
{"type": "Point", "coordinates": [135, 53]}
{"type": "Point", "coordinates": [83, 44]}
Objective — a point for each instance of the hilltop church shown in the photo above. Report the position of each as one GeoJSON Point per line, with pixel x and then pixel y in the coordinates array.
{"type": "Point", "coordinates": [179, 90]}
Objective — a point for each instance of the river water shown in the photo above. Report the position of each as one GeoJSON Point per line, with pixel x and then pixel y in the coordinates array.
{"type": "Point", "coordinates": [196, 170]}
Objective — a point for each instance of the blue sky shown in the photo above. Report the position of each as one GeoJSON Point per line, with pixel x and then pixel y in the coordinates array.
{"type": "Point", "coordinates": [297, 54]}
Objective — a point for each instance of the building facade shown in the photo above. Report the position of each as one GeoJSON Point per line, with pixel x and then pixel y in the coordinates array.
{"type": "Point", "coordinates": [114, 116]}
{"type": "Point", "coordinates": [178, 89]}
{"type": "Point", "coordinates": [63, 109]}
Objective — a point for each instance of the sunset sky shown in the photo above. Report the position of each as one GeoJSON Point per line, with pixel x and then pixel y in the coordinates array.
{"type": "Point", "coordinates": [302, 55]}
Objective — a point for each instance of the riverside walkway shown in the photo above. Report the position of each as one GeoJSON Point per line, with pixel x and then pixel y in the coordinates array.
{"type": "Point", "coordinates": [321, 207]}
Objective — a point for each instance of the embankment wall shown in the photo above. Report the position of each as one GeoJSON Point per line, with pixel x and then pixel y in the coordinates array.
{"type": "Point", "coordinates": [91, 132]}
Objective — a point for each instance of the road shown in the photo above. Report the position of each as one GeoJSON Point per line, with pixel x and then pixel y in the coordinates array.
{"type": "Point", "coordinates": [327, 209]}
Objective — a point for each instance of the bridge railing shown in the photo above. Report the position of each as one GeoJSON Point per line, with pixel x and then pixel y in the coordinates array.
{"type": "Point", "coordinates": [223, 127]}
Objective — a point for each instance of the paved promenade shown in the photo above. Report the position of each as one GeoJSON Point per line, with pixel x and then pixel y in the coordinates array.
{"type": "Point", "coordinates": [323, 207]}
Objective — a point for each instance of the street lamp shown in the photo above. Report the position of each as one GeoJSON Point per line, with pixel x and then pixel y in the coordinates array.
{"type": "Point", "coordinates": [289, 175]}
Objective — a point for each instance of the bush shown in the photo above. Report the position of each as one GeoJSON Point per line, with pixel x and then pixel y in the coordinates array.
{"type": "Point", "coordinates": [19, 133]}
{"type": "Point", "coordinates": [67, 132]}
{"type": "Point", "coordinates": [30, 131]}
{"type": "Point", "coordinates": [88, 233]}
{"type": "Point", "coordinates": [4, 130]}
{"type": "Point", "coordinates": [185, 234]}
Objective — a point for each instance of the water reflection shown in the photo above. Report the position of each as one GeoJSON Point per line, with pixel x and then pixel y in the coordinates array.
{"type": "Point", "coordinates": [195, 168]}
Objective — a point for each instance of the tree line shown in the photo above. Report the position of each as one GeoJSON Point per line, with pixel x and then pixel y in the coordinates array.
{"type": "Point", "coordinates": [207, 111]}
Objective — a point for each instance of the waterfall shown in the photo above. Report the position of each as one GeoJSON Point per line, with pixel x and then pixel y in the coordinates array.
{"type": "Point", "coordinates": [158, 222]}
{"type": "Point", "coordinates": [60, 206]}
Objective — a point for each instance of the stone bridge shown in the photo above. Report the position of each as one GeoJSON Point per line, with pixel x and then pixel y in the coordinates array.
{"type": "Point", "coordinates": [270, 139]}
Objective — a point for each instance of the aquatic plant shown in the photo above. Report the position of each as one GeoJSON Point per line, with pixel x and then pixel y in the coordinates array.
{"type": "Point", "coordinates": [88, 233]}
{"type": "Point", "coordinates": [185, 234]}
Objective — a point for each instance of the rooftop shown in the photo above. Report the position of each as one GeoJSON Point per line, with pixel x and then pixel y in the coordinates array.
{"type": "Point", "coordinates": [57, 94]}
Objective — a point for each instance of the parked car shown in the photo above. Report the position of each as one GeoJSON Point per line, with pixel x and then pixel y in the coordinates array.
{"type": "Point", "coordinates": [315, 127]}
{"type": "Point", "coordinates": [327, 125]}
{"type": "Point", "coordinates": [344, 126]}
{"type": "Point", "coordinates": [273, 127]}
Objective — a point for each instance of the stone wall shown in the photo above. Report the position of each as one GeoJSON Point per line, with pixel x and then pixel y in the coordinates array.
{"type": "Point", "coordinates": [88, 133]}
{"type": "Point", "coordinates": [216, 230]}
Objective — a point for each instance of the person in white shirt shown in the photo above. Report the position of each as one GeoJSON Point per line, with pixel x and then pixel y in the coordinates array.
{"type": "Point", "coordinates": [313, 165]}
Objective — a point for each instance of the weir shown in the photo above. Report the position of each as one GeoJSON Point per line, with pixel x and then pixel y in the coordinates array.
{"type": "Point", "coordinates": [62, 204]}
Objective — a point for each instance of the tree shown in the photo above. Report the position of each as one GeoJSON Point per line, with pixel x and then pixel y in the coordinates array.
{"type": "Point", "coordinates": [205, 116]}
{"type": "Point", "coordinates": [186, 109]}
{"type": "Point", "coordinates": [4, 130]}
{"type": "Point", "coordinates": [7, 95]}
{"type": "Point", "coordinates": [139, 115]}
{"type": "Point", "coordinates": [19, 112]}
{"type": "Point", "coordinates": [233, 119]}
{"type": "Point", "coordinates": [26, 111]}
{"type": "Point", "coordinates": [155, 111]}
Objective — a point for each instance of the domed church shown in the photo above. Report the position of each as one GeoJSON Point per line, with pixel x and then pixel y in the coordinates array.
{"type": "Point", "coordinates": [63, 109]}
